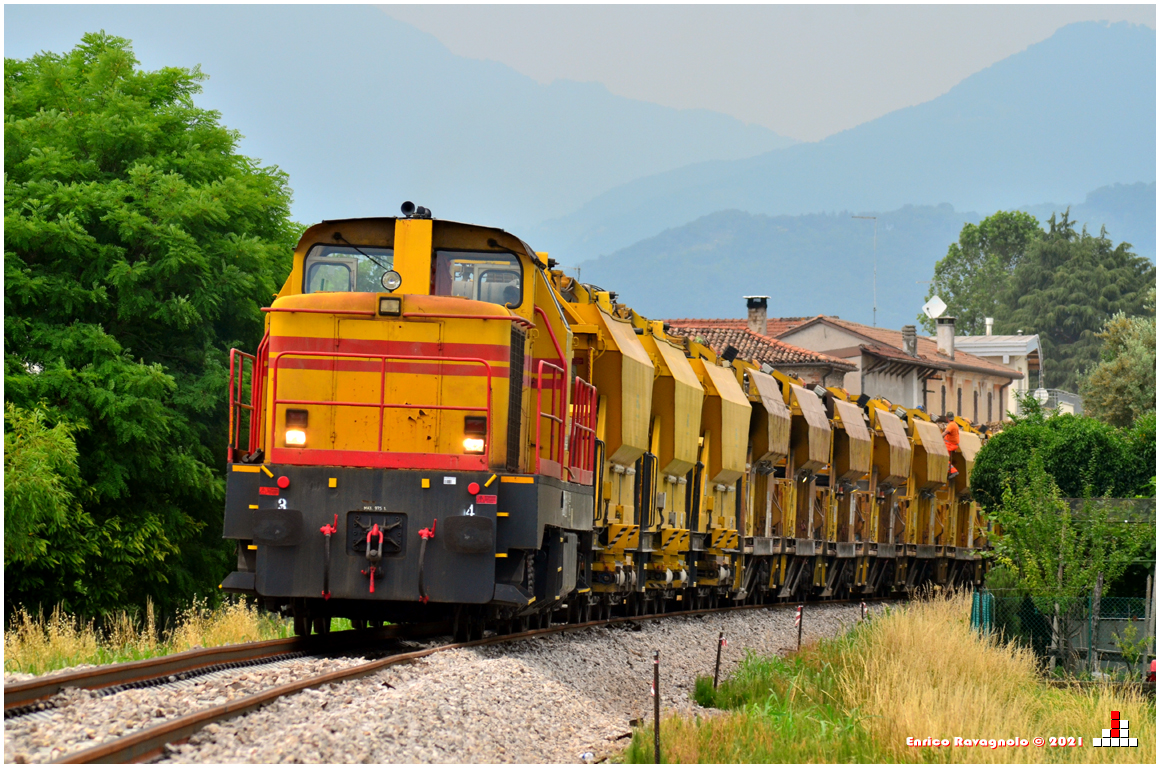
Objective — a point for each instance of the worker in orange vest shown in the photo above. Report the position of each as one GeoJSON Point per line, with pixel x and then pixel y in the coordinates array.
{"type": "Point", "coordinates": [951, 438]}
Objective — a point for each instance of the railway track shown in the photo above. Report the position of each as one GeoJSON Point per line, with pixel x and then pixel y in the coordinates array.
{"type": "Point", "coordinates": [149, 742]}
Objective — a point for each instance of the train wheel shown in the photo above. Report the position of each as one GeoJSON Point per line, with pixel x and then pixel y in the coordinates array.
{"type": "Point", "coordinates": [586, 612]}
{"type": "Point", "coordinates": [301, 623]}
{"type": "Point", "coordinates": [477, 624]}
{"type": "Point", "coordinates": [321, 625]}
{"type": "Point", "coordinates": [460, 625]}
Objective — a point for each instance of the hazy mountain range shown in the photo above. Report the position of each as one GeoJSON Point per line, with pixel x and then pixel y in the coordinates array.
{"type": "Point", "coordinates": [823, 263]}
{"type": "Point", "coordinates": [1053, 122]}
{"type": "Point", "coordinates": [690, 208]}
{"type": "Point", "coordinates": [364, 111]}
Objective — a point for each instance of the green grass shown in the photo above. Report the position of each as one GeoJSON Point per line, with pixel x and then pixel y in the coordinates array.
{"type": "Point", "coordinates": [918, 671]}
{"type": "Point", "coordinates": [781, 711]}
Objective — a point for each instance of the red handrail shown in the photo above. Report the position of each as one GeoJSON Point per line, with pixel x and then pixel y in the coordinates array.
{"type": "Point", "coordinates": [557, 389]}
{"type": "Point", "coordinates": [359, 312]}
{"type": "Point", "coordinates": [382, 405]}
{"type": "Point", "coordinates": [235, 399]}
{"type": "Point", "coordinates": [582, 441]}
{"type": "Point", "coordinates": [547, 324]}
{"type": "Point", "coordinates": [512, 318]}
{"type": "Point", "coordinates": [258, 393]}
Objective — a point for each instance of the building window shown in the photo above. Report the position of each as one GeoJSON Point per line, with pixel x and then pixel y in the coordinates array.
{"type": "Point", "coordinates": [989, 414]}
{"type": "Point", "coordinates": [943, 407]}
{"type": "Point", "coordinates": [959, 403]}
{"type": "Point", "coordinates": [975, 412]}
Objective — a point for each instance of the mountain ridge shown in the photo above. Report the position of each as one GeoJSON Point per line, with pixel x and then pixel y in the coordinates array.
{"type": "Point", "coordinates": [981, 145]}
{"type": "Point", "coordinates": [822, 263]}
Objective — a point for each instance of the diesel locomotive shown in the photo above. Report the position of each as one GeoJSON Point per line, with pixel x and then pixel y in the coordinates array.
{"type": "Point", "coordinates": [440, 425]}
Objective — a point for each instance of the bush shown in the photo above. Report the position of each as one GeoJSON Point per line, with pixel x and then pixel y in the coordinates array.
{"type": "Point", "coordinates": [1083, 456]}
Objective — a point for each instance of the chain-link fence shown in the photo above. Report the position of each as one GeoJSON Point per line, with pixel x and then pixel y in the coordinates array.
{"type": "Point", "coordinates": [1119, 642]}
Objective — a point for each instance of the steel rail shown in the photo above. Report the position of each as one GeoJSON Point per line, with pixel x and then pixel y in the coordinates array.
{"type": "Point", "coordinates": [27, 692]}
{"type": "Point", "coordinates": [149, 742]}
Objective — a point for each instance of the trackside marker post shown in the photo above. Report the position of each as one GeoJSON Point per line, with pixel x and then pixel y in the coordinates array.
{"type": "Point", "coordinates": [717, 669]}
{"type": "Point", "coordinates": [798, 620]}
{"type": "Point", "coordinates": [656, 706]}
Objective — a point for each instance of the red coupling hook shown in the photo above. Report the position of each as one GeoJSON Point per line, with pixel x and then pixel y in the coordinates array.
{"type": "Point", "coordinates": [371, 573]}
{"type": "Point", "coordinates": [329, 529]}
{"type": "Point", "coordinates": [428, 533]}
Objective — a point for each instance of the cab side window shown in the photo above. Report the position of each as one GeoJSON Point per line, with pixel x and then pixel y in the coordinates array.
{"type": "Point", "coordinates": [328, 276]}
{"type": "Point", "coordinates": [493, 277]}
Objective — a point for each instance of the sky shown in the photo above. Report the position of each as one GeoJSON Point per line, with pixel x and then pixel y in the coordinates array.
{"type": "Point", "coordinates": [819, 69]}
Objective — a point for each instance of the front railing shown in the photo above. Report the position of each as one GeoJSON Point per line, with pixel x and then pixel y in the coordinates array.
{"type": "Point", "coordinates": [378, 458]}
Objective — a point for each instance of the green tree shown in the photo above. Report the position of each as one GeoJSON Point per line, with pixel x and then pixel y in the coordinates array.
{"type": "Point", "coordinates": [1065, 288]}
{"type": "Point", "coordinates": [138, 248]}
{"type": "Point", "coordinates": [41, 480]}
{"type": "Point", "coordinates": [1122, 385]}
{"type": "Point", "coordinates": [1083, 456]}
{"type": "Point", "coordinates": [1057, 553]}
{"type": "Point", "coordinates": [974, 273]}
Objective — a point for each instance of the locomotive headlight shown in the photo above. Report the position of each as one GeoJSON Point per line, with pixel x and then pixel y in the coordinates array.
{"type": "Point", "coordinates": [392, 280]}
{"type": "Point", "coordinates": [473, 445]}
{"type": "Point", "coordinates": [296, 421]}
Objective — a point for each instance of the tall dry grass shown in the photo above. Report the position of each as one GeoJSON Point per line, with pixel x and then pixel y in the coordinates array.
{"type": "Point", "coordinates": [36, 644]}
{"type": "Point", "coordinates": [918, 671]}
{"type": "Point", "coordinates": [922, 671]}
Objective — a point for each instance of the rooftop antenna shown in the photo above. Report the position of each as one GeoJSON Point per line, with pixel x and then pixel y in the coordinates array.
{"type": "Point", "coordinates": [875, 218]}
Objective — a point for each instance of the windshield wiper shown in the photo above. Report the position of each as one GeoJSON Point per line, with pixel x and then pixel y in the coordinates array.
{"type": "Point", "coordinates": [338, 236]}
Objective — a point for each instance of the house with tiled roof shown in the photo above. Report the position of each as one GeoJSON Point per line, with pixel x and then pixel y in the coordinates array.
{"type": "Point", "coordinates": [902, 366]}
{"type": "Point", "coordinates": [812, 367]}
{"type": "Point", "coordinates": [910, 369]}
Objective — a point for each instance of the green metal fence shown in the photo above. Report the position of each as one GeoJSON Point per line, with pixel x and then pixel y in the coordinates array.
{"type": "Point", "coordinates": [1074, 637]}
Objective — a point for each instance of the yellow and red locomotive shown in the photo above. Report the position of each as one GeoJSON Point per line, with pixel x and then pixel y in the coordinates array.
{"type": "Point", "coordinates": [438, 424]}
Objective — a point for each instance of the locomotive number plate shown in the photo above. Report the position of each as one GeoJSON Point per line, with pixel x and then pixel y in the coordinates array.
{"type": "Point", "coordinates": [392, 524]}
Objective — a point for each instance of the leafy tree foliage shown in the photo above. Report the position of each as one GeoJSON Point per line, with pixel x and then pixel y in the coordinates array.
{"type": "Point", "coordinates": [138, 248]}
{"type": "Point", "coordinates": [1061, 284]}
{"type": "Point", "coordinates": [1057, 554]}
{"type": "Point", "coordinates": [1066, 288]}
{"type": "Point", "coordinates": [972, 276]}
{"type": "Point", "coordinates": [1083, 456]}
{"type": "Point", "coordinates": [41, 481]}
{"type": "Point", "coordinates": [1122, 386]}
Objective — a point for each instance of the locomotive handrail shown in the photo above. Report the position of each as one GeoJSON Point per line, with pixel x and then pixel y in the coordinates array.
{"type": "Point", "coordinates": [359, 312]}
{"type": "Point", "coordinates": [235, 399]}
{"type": "Point", "coordinates": [552, 334]}
{"type": "Point", "coordinates": [382, 405]}
{"type": "Point", "coordinates": [258, 393]}
{"type": "Point", "coordinates": [582, 439]}
{"type": "Point", "coordinates": [554, 450]}
{"type": "Point", "coordinates": [439, 315]}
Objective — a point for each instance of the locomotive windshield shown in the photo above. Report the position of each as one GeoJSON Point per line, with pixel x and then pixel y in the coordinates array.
{"type": "Point", "coordinates": [346, 268]}
{"type": "Point", "coordinates": [483, 276]}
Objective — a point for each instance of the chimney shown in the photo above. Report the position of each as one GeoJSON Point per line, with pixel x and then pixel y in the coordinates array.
{"type": "Point", "coordinates": [757, 313]}
{"type": "Point", "coordinates": [990, 321]}
{"type": "Point", "coordinates": [946, 336]}
{"type": "Point", "coordinates": [910, 340]}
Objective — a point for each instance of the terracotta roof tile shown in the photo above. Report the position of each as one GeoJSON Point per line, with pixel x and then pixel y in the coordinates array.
{"type": "Point", "coordinates": [927, 348]}
{"type": "Point", "coordinates": [757, 348]}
